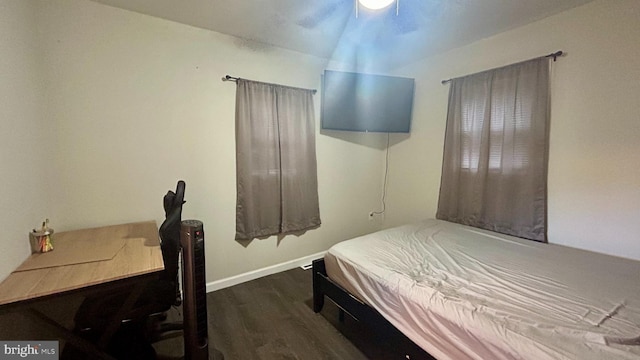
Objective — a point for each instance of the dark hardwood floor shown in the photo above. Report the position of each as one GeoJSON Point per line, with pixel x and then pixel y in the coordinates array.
{"type": "Point", "coordinates": [267, 318]}
{"type": "Point", "coordinates": [272, 318]}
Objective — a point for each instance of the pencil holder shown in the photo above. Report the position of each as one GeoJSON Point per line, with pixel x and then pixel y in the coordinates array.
{"type": "Point", "coordinates": [41, 240]}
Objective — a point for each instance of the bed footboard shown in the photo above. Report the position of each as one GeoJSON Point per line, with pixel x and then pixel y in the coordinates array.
{"type": "Point", "coordinates": [323, 286]}
{"type": "Point", "coordinates": [319, 275]}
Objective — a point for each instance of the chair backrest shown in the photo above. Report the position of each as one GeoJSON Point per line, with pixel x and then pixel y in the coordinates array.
{"type": "Point", "coordinates": [170, 232]}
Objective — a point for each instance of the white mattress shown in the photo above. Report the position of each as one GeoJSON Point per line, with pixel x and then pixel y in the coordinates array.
{"type": "Point", "coordinates": [463, 293]}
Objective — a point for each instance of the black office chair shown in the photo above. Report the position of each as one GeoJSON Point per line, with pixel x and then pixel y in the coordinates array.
{"type": "Point", "coordinates": [156, 299]}
{"type": "Point", "coordinates": [170, 238]}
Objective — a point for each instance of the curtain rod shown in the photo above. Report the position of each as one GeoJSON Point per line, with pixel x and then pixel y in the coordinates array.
{"type": "Point", "coordinates": [554, 55]}
{"type": "Point", "coordinates": [235, 79]}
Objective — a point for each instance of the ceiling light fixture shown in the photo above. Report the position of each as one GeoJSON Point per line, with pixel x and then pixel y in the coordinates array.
{"type": "Point", "coordinates": [376, 4]}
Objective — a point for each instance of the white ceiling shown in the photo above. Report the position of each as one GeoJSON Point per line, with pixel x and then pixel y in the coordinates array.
{"type": "Point", "coordinates": [330, 29]}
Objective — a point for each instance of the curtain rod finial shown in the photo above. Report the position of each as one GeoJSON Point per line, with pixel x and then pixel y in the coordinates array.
{"type": "Point", "coordinates": [557, 54]}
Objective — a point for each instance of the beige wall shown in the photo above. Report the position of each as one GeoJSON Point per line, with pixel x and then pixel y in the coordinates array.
{"type": "Point", "coordinates": [594, 172]}
{"type": "Point", "coordinates": [24, 150]}
{"type": "Point", "coordinates": [138, 103]}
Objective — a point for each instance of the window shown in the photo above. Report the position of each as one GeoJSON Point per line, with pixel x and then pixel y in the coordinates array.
{"type": "Point", "coordinates": [277, 189]}
{"type": "Point", "coordinates": [494, 172]}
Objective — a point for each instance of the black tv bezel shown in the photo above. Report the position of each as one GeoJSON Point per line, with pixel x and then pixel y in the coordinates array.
{"type": "Point", "coordinates": [322, 105]}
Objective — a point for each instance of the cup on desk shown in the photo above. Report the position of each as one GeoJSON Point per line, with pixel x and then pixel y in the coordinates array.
{"type": "Point", "coordinates": [41, 241]}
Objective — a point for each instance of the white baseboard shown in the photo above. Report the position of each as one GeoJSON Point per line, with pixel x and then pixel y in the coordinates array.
{"type": "Point", "coordinates": [255, 274]}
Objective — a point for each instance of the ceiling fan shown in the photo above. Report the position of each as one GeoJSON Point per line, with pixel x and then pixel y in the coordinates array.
{"type": "Point", "coordinates": [376, 5]}
{"type": "Point", "coordinates": [397, 16]}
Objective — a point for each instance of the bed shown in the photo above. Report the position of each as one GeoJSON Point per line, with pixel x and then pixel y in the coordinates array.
{"type": "Point", "coordinates": [463, 293]}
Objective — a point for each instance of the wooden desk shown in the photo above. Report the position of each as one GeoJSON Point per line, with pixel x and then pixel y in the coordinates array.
{"type": "Point", "coordinates": [138, 260]}
{"type": "Point", "coordinates": [140, 255]}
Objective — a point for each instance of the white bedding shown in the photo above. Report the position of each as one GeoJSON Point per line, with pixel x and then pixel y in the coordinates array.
{"type": "Point", "coordinates": [463, 293]}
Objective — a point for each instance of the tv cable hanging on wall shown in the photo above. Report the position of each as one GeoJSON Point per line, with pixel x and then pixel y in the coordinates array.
{"type": "Point", "coordinates": [384, 183]}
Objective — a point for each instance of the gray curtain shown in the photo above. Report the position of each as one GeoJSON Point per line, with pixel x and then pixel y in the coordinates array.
{"type": "Point", "coordinates": [277, 186]}
{"type": "Point", "coordinates": [494, 172]}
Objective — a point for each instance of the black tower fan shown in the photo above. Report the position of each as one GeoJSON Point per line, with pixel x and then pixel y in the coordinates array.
{"type": "Point", "coordinates": [196, 342]}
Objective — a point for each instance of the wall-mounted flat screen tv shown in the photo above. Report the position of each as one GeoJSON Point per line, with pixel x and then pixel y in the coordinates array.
{"type": "Point", "coordinates": [366, 102]}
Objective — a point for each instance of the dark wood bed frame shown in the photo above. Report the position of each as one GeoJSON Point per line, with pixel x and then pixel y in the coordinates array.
{"type": "Point", "coordinates": [346, 302]}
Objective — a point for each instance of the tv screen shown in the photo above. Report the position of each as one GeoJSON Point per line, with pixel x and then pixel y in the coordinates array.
{"type": "Point", "coordinates": [365, 102]}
